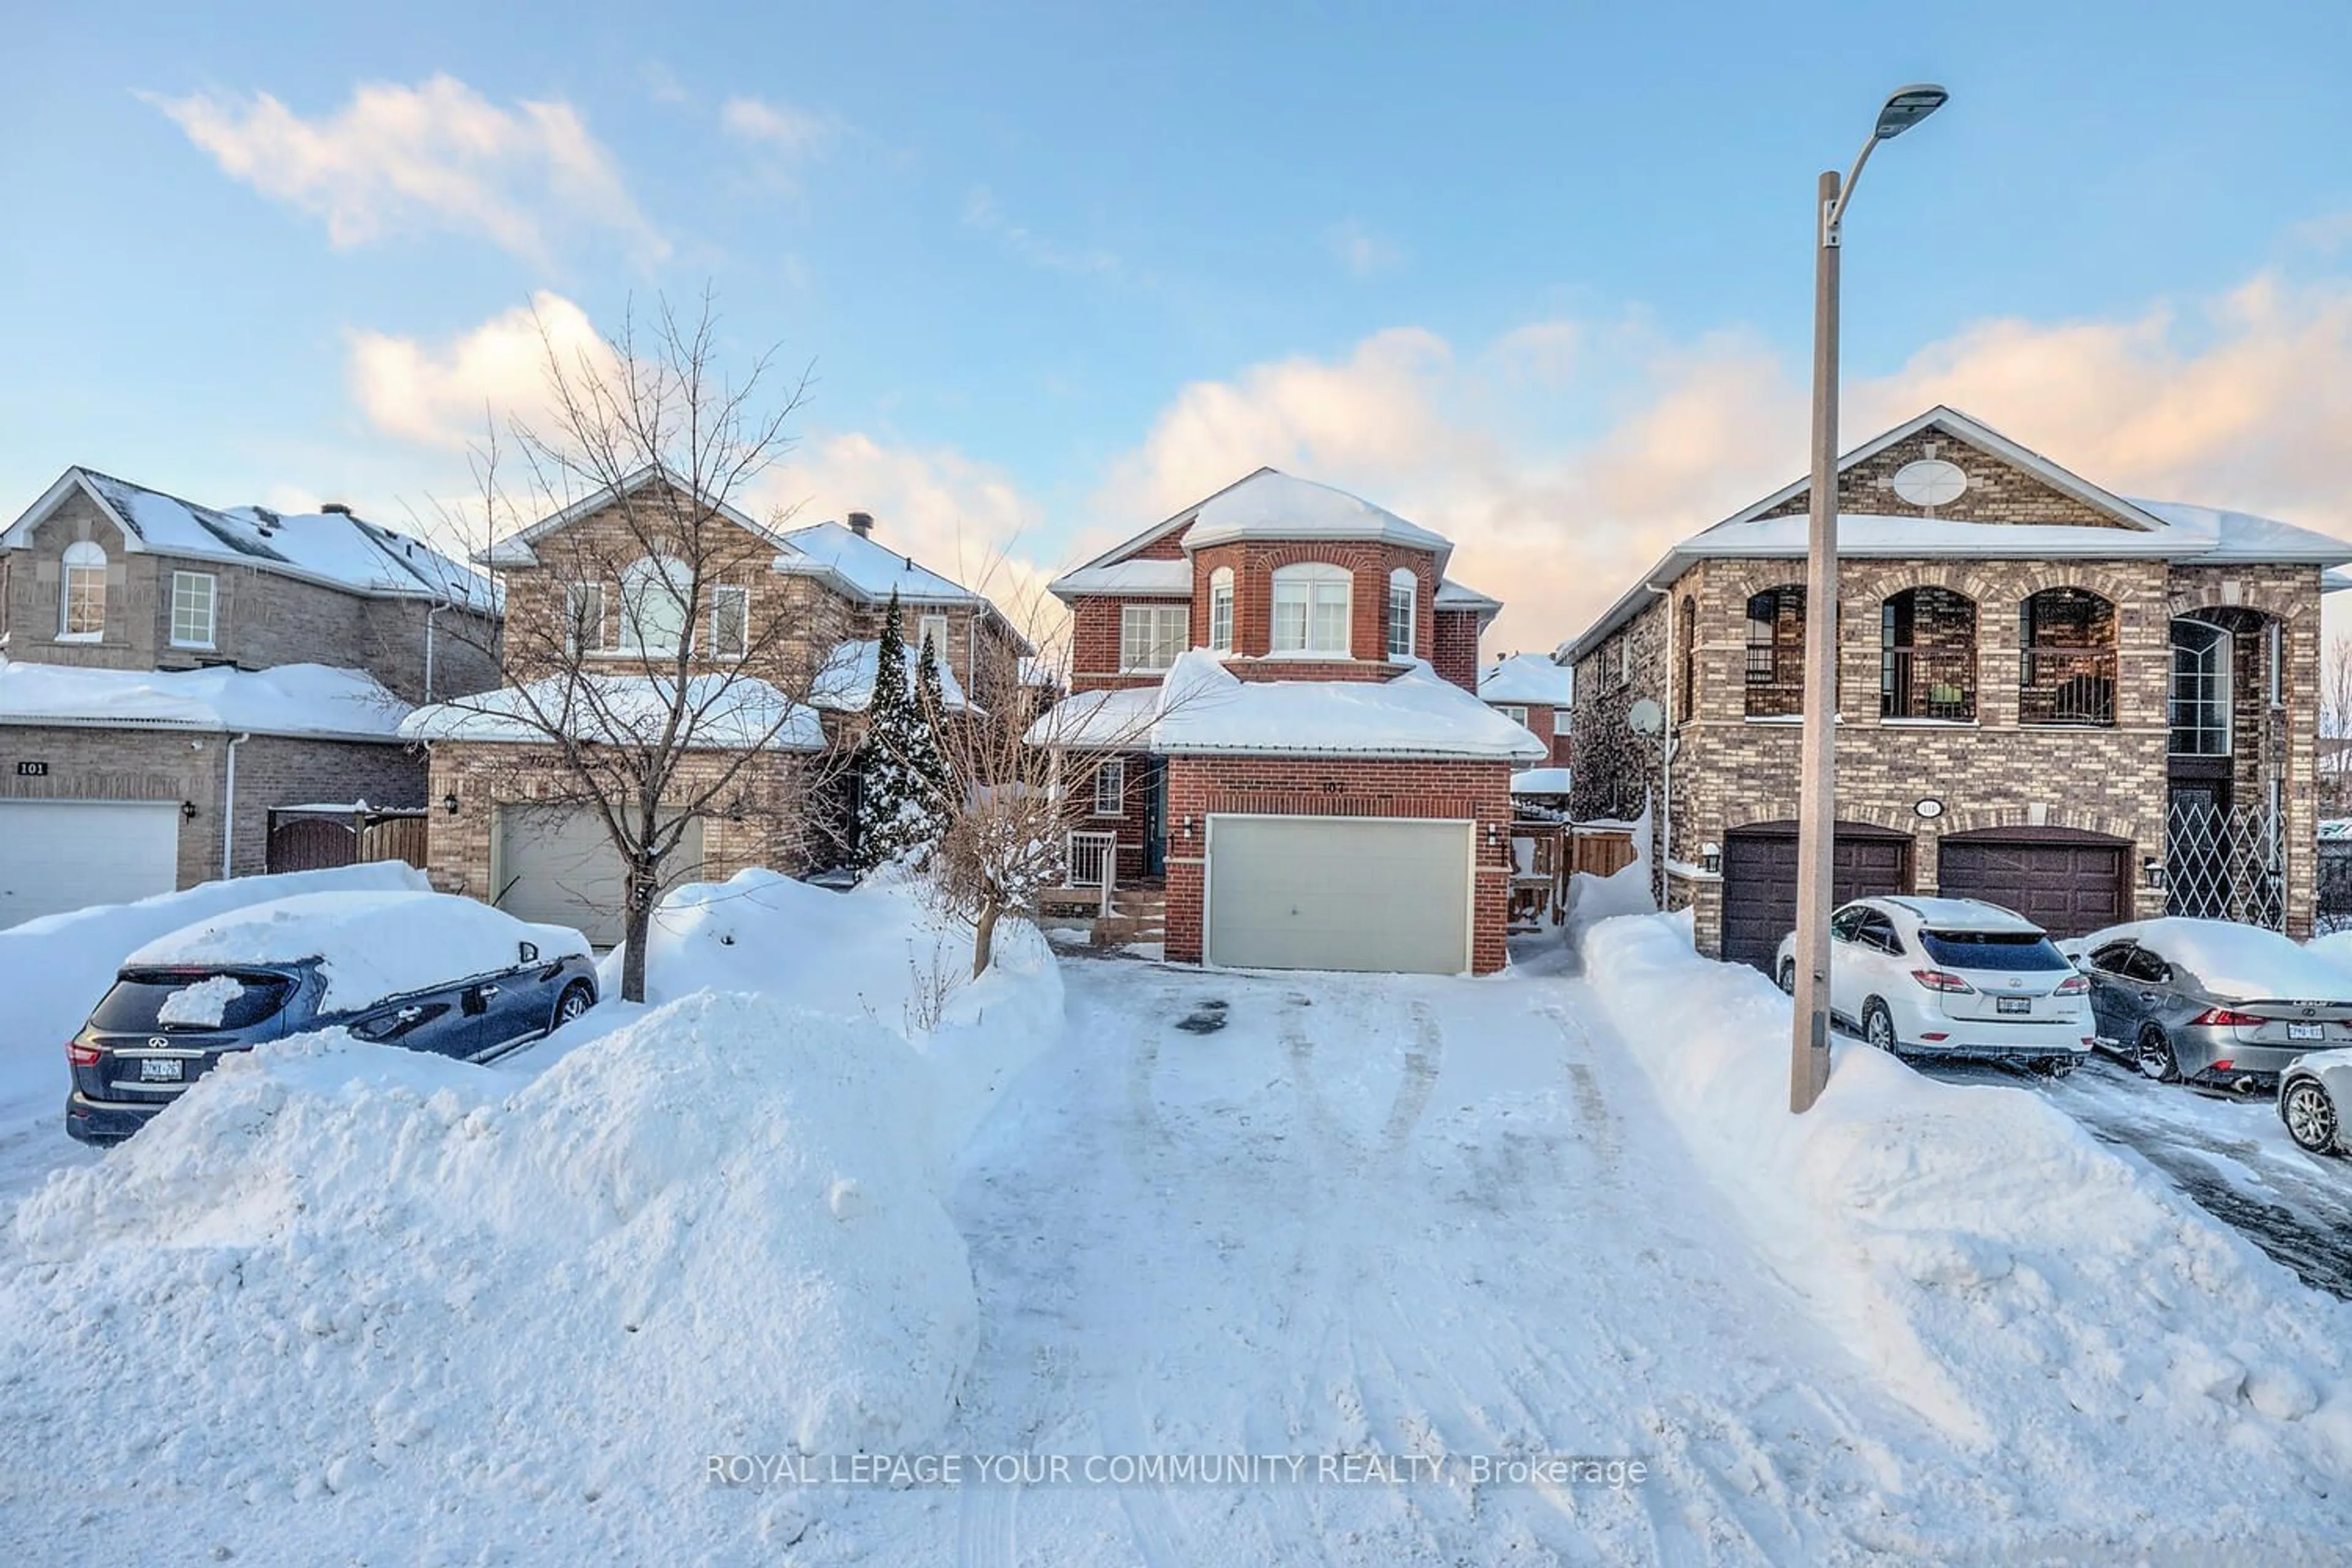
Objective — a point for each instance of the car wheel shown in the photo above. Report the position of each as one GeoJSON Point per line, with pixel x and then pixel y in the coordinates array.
{"type": "Point", "coordinates": [1789, 976]}
{"type": "Point", "coordinates": [573, 1005]}
{"type": "Point", "coordinates": [2310, 1116]}
{"type": "Point", "coordinates": [2155, 1056]}
{"type": "Point", "coordinates": [1878, 1026]}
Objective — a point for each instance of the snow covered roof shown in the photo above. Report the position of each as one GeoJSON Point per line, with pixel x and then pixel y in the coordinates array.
{"type": "Point", "coordinates": [1528, 678]}
{"type": "Point", "coordinates": [1452, 595]}
{"type": "Point", "coordinates": [333, 548]}
{"type": "Point", "coordinates": [371, 946]}
{"type": "Point", "coordinates": [1540, 781]}
{"type": "Point", "coordinates": [301, 699]}
{"type": "Point", "coordinates": [1201, 708]}
{"type": "Point", "coordinates": [870, 570]}
{"type": "Point", "coordinates": [728, 714]}
{"type": "Point", "coordinates": [845, 684]}
{"type": "Point", "coordinates": [1134, 579]}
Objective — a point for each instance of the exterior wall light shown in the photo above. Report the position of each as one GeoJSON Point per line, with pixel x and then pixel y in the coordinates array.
{"type": "Point", "coordinates": [187, 811]}
{"type": "Point", "coordinates": [449, 803]}
{"type": "Point", "coordinates": [2151, 870]}
{"type": "Point", "coordinates": [1710, 859]}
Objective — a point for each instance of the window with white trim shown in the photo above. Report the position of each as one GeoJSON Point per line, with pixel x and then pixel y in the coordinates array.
{"type": "Point", "coordinates": [932, 629]}
{"type": "Point", "coordinates": [1221, 609]}
{"type": "Point", "coordinates": [193, 603]}
{"type": "Point", "coordinates": [1515, 712]}
{"type": "Point", "coordinates": [1404, 594]}
{"type": "Point", "coordinates": [655, 592]}
{"type": "Point", "coordinates": [730, 621]}
{"type": "Point", "coordinates": [583, 618]}
{"type": "Point", "coordinates": [1111, 788]}
{"type": "Point", "coordinates": [1561, 719]}
{"type": "Point", "coordinates": [1313, 603]}
{"type": "Point", "coordinates": [82, 611]}
{"type": "Point", "coordinates": [1151, 636]}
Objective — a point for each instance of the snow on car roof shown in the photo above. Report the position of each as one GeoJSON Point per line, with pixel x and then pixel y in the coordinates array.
{"type": "Point", "coordinates": [286, 699]}
{"type": "Point", "coordinates": [368, 946]}
{"type": "Point", "coordinates": [1961, 914]}
{"type": "Point", "coordinates": [2243, 962]}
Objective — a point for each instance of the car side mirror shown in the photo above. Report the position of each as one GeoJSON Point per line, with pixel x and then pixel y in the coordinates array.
{"type": "Point", "coordinates": [527, 953]}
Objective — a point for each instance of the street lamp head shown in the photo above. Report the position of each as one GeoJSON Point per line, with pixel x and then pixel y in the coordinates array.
{"type": "Point", "coordinates": [1907, 107]}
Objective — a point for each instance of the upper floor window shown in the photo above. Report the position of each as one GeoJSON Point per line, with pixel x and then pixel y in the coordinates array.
{"type": "Point", "coordinates": [2066, 658]}
{"type": "Point", "coordinates": [1151, 636]}
{"type": "Point", "coordinates": [1313, 603]}
{"type": "Point", "coordinates": [1221, 609]}
{"type": "Point", "coordinates": [1563, 721]}
{"type": "Point", "coordinates": [583, 618]}
{"type": "Point", "coordinates": [731, 621]}
{"type": "Point", "coordinates": [1927, 655]}
{"type": "Point", "coordinates": [192, 609]}
{"type": "Point", "coordinates": [655, 592]}
{"type": "Point", "coordinates": [1685, 661]}
{"type": "Point", "coordinates": [932, 629]}
{"type": "Point", "coordinates": [1404, 594]}
{"type": "Point", "coordinates": [1515, 712]}
{"type": "Point", "coordinates": [2200, 690]}
{"type": "Point", "coordinates": [1776, 652]}
{"type": "Point", "coordinates": [82, 613]}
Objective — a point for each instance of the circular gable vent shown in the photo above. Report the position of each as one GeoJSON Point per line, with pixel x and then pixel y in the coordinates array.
{"type": "Point", "coordinates": [1930, 482]}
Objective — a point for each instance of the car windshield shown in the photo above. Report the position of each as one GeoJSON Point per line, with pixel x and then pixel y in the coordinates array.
{"type": "Point", "coordinates": [1991, 950]}
{"type": "Point", "coordinates": [174, 1000]}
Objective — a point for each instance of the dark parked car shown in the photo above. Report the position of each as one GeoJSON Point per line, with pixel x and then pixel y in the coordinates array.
{"type": "Point", "coordinates": [2212, 1001]}
{"type": "Point", "coordinates": [173, 1013]}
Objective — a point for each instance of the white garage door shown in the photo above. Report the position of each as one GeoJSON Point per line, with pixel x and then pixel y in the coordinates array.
{"type": "Point", "coordinates": [58, 855]}
{"type": "Point", "coordinates": [557, 865]}
{"type": "Point", "coordinates": [1332, 892]}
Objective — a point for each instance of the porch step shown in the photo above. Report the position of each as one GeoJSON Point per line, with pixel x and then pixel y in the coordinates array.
{"type": "Point", "coordinates": [1144, 910]}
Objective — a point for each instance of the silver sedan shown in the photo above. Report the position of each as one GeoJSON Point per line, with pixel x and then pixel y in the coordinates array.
{"type": "Point", "coordinates": [2212, 1001]}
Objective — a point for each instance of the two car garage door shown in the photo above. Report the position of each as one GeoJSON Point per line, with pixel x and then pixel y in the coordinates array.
{"type": "Point", "coordinates": [1335, 893]}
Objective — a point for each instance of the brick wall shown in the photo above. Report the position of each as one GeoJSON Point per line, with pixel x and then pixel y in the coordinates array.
{"type": "Point", "coordinates": [1198, 787]}
{"type": "Point", "coordinates": [1997, 493]}
{"type": "Point", "coordinates": [1453, 648]}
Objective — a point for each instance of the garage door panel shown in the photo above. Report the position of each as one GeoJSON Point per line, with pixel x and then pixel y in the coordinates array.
{"type": "Point", "coordinates": [557, 865]}
{"type": "Point", "coordinates": [1338, 893]}
{"type": "Point", "coordinates": [61, 854]}
{"type": "Point", "coordinates": [2069, 887]}
{"type": "Point", "coordinates": [1760, 885]}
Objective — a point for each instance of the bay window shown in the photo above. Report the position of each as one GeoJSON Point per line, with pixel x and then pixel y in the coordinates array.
{"type": "Point", "coordinates": [1221, 609]}
{"type": "Point", "coordinates": [1404, 594]}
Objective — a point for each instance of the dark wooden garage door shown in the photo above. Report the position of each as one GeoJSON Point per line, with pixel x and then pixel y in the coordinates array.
{"type": "Point", "coordinates": [2068, 883]}
{"type": "Point", "coordinates": [1759, 881]}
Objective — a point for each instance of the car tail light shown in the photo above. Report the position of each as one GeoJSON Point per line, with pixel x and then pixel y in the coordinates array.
{"type": "Point", "coordinates": [2222, 1018]}
{"type": "Point", "coordinates": [1938, 1038]}
{"type": "Point", "coordinates": [2225, 1065]}
{"type": "Point", "coordinates": [2072, 985]}
{"type": "Point", "coordinates": [1937, 980]}
{"type": "Point", "coordinates": [80, 1055]}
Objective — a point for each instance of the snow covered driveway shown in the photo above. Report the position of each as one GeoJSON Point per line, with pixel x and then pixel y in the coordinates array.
{"type": "Point", "coordinates": [1366, 1214]}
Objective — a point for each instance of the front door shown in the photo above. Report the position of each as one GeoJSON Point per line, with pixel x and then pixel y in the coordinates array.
{"type": "Point", "coordinates": [1155, 818]}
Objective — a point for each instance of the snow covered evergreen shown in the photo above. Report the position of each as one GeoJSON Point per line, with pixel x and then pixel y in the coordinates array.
{"type": "Point", "coordinates": [898, 761]}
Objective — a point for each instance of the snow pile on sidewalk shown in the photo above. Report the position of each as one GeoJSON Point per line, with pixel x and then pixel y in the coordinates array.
{"type": "Point", "coordinates": [400, 1307]}
{"type": "Point", "coordinates": [54, 969]}
{"type": "Point", "coordinates": [2045, 1301]}
{"type": "Point", "coordinates": [878, 954]}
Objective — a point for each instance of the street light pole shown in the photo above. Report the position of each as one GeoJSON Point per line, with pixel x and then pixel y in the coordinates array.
{"type": "Point", "coordinates": [1809, 1045]}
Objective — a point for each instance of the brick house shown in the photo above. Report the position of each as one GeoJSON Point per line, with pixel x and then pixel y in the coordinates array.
{"type": "Point", "coordinates": [2085, 708]}
{"type": "Point", "coordinates": [174, 676]}
{"type": "Point", "coordinates": [786, 646]}
{"type": "Point", "coordinates": [1286, 678]}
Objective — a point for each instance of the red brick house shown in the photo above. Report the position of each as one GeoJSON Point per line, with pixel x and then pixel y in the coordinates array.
{"type": "Point", "coordinates": [1288, 677]}
{"type": "Point", "coordinates": [1529, 688]}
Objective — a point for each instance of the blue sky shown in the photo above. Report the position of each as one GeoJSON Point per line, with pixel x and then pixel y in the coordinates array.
{"type": "Point", "coordinates": [1538, 277]}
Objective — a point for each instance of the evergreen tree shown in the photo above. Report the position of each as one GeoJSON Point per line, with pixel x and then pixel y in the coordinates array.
{"type": "Point", "coordinates": [930, 761]}
{"type": "Point", "coordinates": [895, 811]}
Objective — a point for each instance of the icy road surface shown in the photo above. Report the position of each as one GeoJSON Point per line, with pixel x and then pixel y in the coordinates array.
{"type": "Point", "coordinates": [1385, 1214]}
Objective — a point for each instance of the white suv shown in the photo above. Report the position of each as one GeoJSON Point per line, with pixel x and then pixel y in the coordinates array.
{"type": "Point", "coordinates": [1953, 978]}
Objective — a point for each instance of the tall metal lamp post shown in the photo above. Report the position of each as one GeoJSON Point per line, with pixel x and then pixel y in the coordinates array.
{"type": "Point", "coordinates": [1808, 1054]}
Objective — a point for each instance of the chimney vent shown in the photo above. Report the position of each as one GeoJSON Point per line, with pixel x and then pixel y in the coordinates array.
{"type": "Point", "coordinates": [861, 524]}
{"type": "Point", "coordinates": [338, 508]}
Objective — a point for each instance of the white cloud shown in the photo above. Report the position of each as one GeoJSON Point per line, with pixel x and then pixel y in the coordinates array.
{"type": "Point", "coordinates": [796, 132]}
{"type": "Point", "coordinates": [980, 212]}
{"type": "Point", "coordinates": [1359, 250]}
{"type": "Point", "coordinates": [453, 394]}
{"type": "Point", "coordinates": [439, 155]}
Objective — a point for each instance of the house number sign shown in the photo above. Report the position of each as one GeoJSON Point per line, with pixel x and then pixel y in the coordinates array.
{"type": "Point", "coordinates": [32, 770]}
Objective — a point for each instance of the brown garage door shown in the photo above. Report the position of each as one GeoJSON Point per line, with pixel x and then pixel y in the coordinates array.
{"type": "Point", "coordinates": [2068, 883]}
{"type": "Point", "coordinates": [1759, 881]}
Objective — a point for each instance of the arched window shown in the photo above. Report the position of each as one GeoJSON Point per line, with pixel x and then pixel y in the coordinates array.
{"type": "Point", "coordinates": [1404, 593]}
{"type": "Point", "coordinates": [2066, 658]}
{"type": "Point", "coordinates": [82, 613]}
{"type": "Point", "coordinates": [654, 591]}
{"type": "Point", "coordinates": [1312, 607]}
{"type": "Point", "coordinates": [1687, 660]}
{"type": "Point", "coordinates": [1221, 609]}
{"type": "Point", "coordinates": [1776, 652]}
{"type": "Point", "coordinates": [1927, 655]}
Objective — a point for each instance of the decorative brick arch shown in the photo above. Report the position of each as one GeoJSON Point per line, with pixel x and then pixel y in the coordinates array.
{"type": "Point", "coordinates": [1977, 819]}
{"type": "Point", "coordinates": [1966, 579]}
{"type": "Point", "coordinates": [2110, 584]}
{"type": "Point", "coordinates": [1753, 812]}
{"type": "Point", "coordinates": [2271, 601]}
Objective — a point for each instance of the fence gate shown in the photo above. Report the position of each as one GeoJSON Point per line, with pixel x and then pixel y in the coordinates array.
{"type": "Point", "coordinates": [2226, 864]}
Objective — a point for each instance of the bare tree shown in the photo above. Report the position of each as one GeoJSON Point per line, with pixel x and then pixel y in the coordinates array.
{"type": "Point", "coordinates": [2335, 730]}
{"type": "Point", "coordinates": [656, 668]}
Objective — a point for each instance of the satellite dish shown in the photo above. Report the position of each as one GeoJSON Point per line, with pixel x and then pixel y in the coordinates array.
{"type": "Point", "coordinates": [1646, 717]}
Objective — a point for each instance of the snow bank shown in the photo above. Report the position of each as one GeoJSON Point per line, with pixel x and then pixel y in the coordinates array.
{"type": "Point", "coordinates": [54, 969]}
{"type": "Point", "coordinates": [340, 1279]}
{"type": "Point", "coordinates": [877, 954]}
{"type": "Point", "coordinates": [2046, 1300]}
{"type": "Point", "coordinates": [371, 946]}
{"type": "Point", "coordinates": [1625, 892]}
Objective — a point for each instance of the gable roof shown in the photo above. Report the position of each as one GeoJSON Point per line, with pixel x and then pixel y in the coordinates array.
{"type": "Point", "coordinates": [2144, 529]}
{"type": "Point", "coordinates": [868, 570]}
{"type": "Point", "coordinates": [515, 549]}
{"type": "Point", "coordinates": [336, 549]}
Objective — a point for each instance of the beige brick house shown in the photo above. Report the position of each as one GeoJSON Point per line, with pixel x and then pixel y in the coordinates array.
{"type": "Point", "coordinates": [1287, 675]}
{"type": "Point", "coordinates": [785, 642]}
{"type": "Point", "coordinates": [2082, 707]}
{"type": "Point", "coordinates": [176, 680]}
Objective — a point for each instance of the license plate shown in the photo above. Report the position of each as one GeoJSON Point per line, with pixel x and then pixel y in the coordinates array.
{"type": "Point", "coordinates": [2305, 1032]}
{"type": "Point", "coordinates": [2012, 1004]}
{"type": "Point", "coordinates": [158, 1070]}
